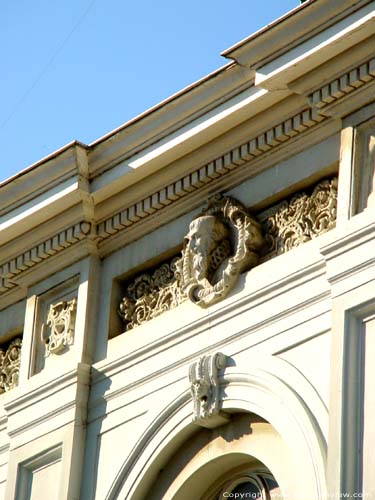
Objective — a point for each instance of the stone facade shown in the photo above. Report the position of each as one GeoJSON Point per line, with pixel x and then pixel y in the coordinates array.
{"type": "Point", "coordinates": [196, 318]}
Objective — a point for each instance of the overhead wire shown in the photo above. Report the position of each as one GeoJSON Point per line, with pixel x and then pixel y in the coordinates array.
{"type": "Point", "coordinates": [48, 64]}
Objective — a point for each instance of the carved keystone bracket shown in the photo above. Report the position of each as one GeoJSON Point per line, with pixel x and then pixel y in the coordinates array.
{"type": "Point", "coordinates": [204, 386]}
{"type": "Point", "coordinates": [222, 242]}
{"type": "Point", "coordinates": [58, 332]}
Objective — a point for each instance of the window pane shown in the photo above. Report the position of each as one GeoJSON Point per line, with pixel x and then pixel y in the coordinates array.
{"type": "Point", "coordinates": [248, 487]}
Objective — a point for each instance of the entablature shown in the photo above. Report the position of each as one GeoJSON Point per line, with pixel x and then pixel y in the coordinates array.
{"type": "Point", "coordinates": [97, 199]}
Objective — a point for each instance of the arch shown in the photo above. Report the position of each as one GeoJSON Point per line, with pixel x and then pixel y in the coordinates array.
{"type": "Point", "coordinates": [212, 458]}
{"type": "Point", "coordinates": [269, 387]}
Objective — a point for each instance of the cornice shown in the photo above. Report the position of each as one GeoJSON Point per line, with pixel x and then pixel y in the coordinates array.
{"type": "Point", "coordinates": [291, 30]}
{"type": "Point", "coordinates": [359, 78]}
{"type": "Point", "coordinates": [212, 175]}
{"type": "Point", "coordinates": [165, 150]}
{"type": "Point", "coordinates": [69, 161]}
{"type": "Point", "coordinates": [194, 102]}
{"type": "Point", "coordinates": [309, 55]}
{"type": "Point", "coordinates": [169, 116]}
{"type": "Point", "coordinates": [209, 172]}
{"type": "Point", "coordinates": [47, 248]}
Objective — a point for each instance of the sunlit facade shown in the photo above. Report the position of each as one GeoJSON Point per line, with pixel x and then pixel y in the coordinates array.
{"type": "Point", "coordinates": [187, 306]}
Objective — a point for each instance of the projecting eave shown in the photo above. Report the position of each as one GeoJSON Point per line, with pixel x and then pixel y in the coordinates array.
{"type": "Point", "coordinates": [303, 39]}
{"type": "Point", "coordinates": [168, 117]}
{"type": "Point", "coordinates": [170, 133]}
{"type": "Point", "coordinates": [290, 30]}
{"type": "Point", "coordinates": [43, 191]}
{"type": "Point", "coordinates": [256, 46]}
{"type": "Point", "coordinates": [207, 122]}
{"type": "Point", "coordinates": [295, 45]}
{"type": "Point", "coordinates": [195, 86]}
{"type": "Point", "coordinates": [77, 174]}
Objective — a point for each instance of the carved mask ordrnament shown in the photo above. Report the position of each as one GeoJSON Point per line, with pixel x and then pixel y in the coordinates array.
{"type": "Point", "coordinates": [204, 386]}
{"type": "Point", "coordinates": [58, 333]}
{"type": "Point", "coordinates": [221, 243]}
{"type": "Point", "coordinates": [10, 365]}
{"type": "Point", "coordinates": [209, 268]}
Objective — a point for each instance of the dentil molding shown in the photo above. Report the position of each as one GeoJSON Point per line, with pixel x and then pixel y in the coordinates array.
{"type": "Point", "coordinates": [356, 79]}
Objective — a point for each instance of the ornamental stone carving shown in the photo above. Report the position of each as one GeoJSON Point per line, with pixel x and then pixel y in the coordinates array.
{"type": "Point", "coordinates": [205, 390]}
{"type": "Point", "coordinates": [298, 220]}
{"type": "Point", "coordinates": [10, 359]}
{"type": "Point", "coordinates": [222, 242]}
{"type": "Point", "coordinates": [150, 294]}
{"type": "Point", "coordinates": [58, 332]}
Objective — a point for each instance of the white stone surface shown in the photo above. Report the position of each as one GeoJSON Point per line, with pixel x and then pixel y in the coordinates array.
{"type": "Point", "coordinates": [110, 416]}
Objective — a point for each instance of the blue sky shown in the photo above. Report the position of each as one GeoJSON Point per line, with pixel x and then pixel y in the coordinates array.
{"type": "Point", "coordinates": [77, 69]}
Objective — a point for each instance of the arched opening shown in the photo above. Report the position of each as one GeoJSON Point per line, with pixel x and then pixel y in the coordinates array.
{"type": "Point", "coordinates": [245, 455]}
{"type": "Point", "coordinates": [256, 483]}
{"type": "Point", "coordinates": [287, 437]}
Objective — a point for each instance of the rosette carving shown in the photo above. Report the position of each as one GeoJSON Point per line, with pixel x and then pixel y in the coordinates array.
{"type": "Point", "coordinates": [10, 359]}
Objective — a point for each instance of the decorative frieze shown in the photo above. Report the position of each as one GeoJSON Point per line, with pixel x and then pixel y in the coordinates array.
{"type": "Point", "coordinates": [205, 390]}
{"type": "Point", "coordinates": [343, 85]}
{"type": "Point", "coordinates": [299, 219]}
{"type": "Point", "coordinates": [150, 294]}
{"type": "Point", "coordinates": [58, 331]}
{"type": "Point", "coordinates": [10, 359]}
{"type": "Point", "coordinates": [223, 242]}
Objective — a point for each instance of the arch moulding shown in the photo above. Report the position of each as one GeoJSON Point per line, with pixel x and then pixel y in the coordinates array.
{"type": "Point", "coordinates": [269, 388]}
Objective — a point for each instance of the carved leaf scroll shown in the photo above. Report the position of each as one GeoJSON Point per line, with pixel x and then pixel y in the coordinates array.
{"type": "Point", "coordinates": [150, 294]}
{"type": "Point", "coordinates": [298, 220]}
{"type": "Point", "coordinates": [10, 358]}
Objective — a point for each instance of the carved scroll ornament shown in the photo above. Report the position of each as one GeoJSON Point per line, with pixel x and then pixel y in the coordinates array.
{"type": "Point", "coordinates": [298, 220]}
{"type": "Point", "coordinates": [205, 390]}
{"type": "Point", "coordinates": [150, 294]}
{"type": "Point", "coordinates": [10, 359]}
{"type": "Point", "coordinates": [208, 270]}
{"type": "Point", "coordinates": [58, 333]}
